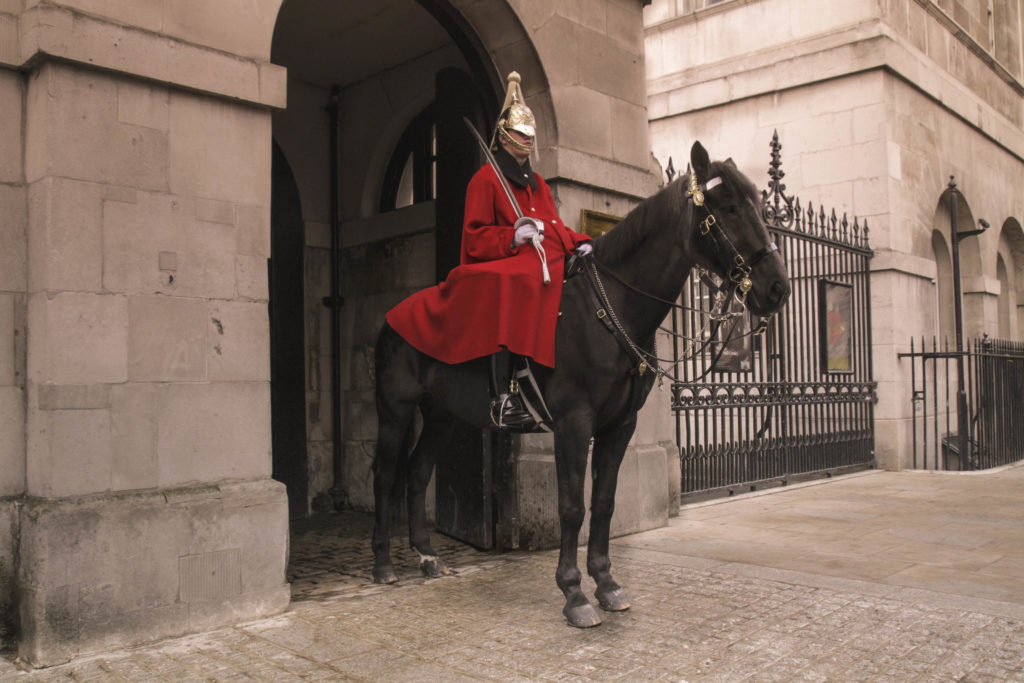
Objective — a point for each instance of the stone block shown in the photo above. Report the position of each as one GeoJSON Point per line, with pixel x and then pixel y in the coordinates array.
{"type": "Point", "coordinates": [630, 142]}
{"type": "Point", "coordinates": [78, 338]}
{"type": "Point", "coordinates": [166, 339]}
{"type": "Point", "coordinates": [73, 396]}
{"type": "Point", "coordinates": [238, 342]}
{"type": "Point", "coordinates": [556, 40]}
{"type": "Point", "coordinates": [252, 230]}
{"type": "Point", "coordinates": [13, 237]}
{"type": "Point", "coordinates": [11, 128]}
{"type": "Point", "coordinates": [586, 115]}
{"type": "Point", "coordinates": [208, 432]}
{"type": "Point", "coordinates": [240, 27]}
{"type": "Point", "coordinates": [219, 150]}
{"type": "Point", "coordinates": [66, 249]}
{"type": "Point", "coordinates": [147, 14]}
{"type": "Point", "coordinates": [72, 456]}
{"type": "Point", "coordinates": [641, 502]}
{"type": "Point", "coordinates": [142, 104]}
{"type": "Point", "coordinates": [211, 211]}
{"type": "Point", "coordinates": [122, 47]}
{"type": "Point", "coordinates": [606, 67]}
{"type": "Point", "coordinates": [107, 573]}
{"type": "Point", "coordinates": [133, 436]}
{"type": "Point", "coordinates": [12, 445]}
{"type": "Point", "coordinates": [9, 37]}
{"type": "Point", "coordinates": [141, 232]}
{"type": "Point", "coordinates": [253, 278]}
{"type": "Point", "coordinates": [74, 131]}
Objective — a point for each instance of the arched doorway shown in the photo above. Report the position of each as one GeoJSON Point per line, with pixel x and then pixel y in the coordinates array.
{"type": "Point", "coordinates": [402, 74]}
{"type": "Point", "coordinates": [285, 285]}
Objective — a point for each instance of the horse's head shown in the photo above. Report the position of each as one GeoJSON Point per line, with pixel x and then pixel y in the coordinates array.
{"type": "Point", "coordinates": [730, 238]}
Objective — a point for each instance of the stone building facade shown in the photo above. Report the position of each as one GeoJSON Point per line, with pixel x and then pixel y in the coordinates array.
{"type": "Point", "coordinates": [158, 380]}
{"type": "Point", "coordinates": [877, 103]}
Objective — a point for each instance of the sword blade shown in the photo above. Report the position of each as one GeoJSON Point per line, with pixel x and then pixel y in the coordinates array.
{"type": "Point", "coordinates": [494, 164]}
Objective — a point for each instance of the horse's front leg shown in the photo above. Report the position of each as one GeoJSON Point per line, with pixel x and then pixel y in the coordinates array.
{"type": "Point", "coordinates": [572, 439]}
{"type": "Point", "coordinates": [608, 452]}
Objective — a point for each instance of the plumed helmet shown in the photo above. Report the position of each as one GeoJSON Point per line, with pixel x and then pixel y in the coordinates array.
{"type": "Point", "coordinates": [515, 115]}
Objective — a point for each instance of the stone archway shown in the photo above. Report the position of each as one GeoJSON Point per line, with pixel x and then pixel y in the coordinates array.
{"type": "Point", "coordinates": [381, 61]}
{"type": "Point", "coordinates": [971, 265]}
{"type": "Point", "coordinates": [1011, 295]}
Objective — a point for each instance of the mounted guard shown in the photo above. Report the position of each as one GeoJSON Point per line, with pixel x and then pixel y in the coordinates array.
{"type": "Point", "coordinates": [500, 301]}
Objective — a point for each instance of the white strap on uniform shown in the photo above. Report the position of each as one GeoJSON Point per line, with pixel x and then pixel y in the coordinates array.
{"type": "Point", "coordinates": [537, 239]}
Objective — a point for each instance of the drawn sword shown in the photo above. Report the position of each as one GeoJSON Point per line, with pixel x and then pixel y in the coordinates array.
{"type": "Point", "coordinates": [503, 181]}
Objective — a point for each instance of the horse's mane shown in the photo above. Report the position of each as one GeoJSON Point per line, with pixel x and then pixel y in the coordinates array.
{"type": "Point", "coordinates": [664, 207]}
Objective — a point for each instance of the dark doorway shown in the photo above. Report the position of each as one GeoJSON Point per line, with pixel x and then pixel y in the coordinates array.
{"type": "Point", "coordinates": [465, 475]}
{"type": "Point", "coordinates": [287, 376]}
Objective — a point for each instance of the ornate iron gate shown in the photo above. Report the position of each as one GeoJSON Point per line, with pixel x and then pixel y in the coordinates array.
{"type": "Point", "coordinates": [797, 401]}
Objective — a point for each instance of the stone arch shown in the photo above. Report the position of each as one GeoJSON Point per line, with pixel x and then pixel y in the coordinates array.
{"type": "Point", "coordinates": [970, 260]}
{"type": "Point", "coordinates": [1010, 255]}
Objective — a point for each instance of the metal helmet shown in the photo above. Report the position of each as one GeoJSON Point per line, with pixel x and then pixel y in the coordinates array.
{"type": "Point", "coordinates": [515, 115]}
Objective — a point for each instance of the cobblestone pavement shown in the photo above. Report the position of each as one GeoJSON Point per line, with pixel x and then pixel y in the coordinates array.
{"type": "Point", "coordinates": [695, 616]}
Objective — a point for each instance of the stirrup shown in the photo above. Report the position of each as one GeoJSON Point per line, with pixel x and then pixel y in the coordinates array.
{"type": "Point", "coordinates": [507, 412]}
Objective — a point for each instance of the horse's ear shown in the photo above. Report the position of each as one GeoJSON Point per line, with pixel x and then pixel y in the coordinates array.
{"type": "Point", "coordinates": [732, 164]}
{"type": "Point", "coordinates": [700, 160]}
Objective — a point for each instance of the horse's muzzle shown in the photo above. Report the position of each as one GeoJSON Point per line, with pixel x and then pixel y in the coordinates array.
{"type": "Point", "coordinates": [778, 295]}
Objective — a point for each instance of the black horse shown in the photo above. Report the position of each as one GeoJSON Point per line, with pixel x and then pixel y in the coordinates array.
{"type": "Point", "coordinates": [599, 380]}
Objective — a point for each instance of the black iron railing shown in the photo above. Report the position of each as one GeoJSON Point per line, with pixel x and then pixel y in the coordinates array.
{"type": "Point", "coordinates": [993, 377]}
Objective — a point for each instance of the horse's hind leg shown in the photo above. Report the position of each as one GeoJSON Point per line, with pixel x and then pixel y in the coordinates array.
{"type": "Point", "coordinates": [438, 427]}
{"type": "Point", "coordinates": [394, 424]}
{"type": "Point", "coordinates": [608, 451]}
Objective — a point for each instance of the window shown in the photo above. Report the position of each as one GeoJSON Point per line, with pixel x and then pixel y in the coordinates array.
{"type": "Point", "coordinates": [411, 175]}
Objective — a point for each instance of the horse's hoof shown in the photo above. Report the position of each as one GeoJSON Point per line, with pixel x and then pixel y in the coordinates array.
{"type": "Point", "coordinates": [582, 616]}
{"type": "Point", "coordinates": [612, 601]}
{"type": "Point", "coordinates": [385, 575]}
{"type": "Point", "coordinates": [434, 567]}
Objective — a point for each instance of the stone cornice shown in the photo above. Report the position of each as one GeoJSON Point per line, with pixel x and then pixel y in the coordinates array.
{"type": "Point", "coordinates": [46, 33]}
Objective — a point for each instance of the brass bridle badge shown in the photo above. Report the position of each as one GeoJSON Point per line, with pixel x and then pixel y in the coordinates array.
{"type": "Point", "coordinates": [695, 194]}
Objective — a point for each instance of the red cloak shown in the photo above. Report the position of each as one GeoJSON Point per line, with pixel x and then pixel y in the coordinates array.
{"type": "Point", "coordinates": [497, 296]}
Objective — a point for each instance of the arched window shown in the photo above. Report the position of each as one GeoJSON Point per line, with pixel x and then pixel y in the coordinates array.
{"type": "Point", "coordinates": [944, 289]}
{"type": "Point", "coordinates": [411, 175]}
{"type": "Point", "coordinates": [1007, 298]}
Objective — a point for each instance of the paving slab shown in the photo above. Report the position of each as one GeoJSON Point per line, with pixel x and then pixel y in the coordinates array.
{"type": "Point", "coordinates": [798, 606]}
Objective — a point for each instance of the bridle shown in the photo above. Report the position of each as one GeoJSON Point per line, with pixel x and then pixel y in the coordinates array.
{"type": "Point", "coordinates": [724, 252]}
{"type": "Point", "coordinates": [721, 247]}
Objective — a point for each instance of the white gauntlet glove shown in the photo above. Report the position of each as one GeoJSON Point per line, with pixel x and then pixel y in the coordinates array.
{"type": "Point", "coordinates": [526, 228]}
{"type": "Point", "coordinates": [584, 248]}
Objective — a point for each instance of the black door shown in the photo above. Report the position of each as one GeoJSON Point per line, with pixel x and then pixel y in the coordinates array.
{"type": "Point", "coordinates": [465, 508]}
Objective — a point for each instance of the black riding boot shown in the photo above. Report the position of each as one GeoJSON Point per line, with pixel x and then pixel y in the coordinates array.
{"type": "Point", "coordinates": [507, 411]}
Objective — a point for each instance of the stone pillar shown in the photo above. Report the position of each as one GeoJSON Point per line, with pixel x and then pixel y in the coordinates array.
{"type": "Point", "coordinates": [149, 509]}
